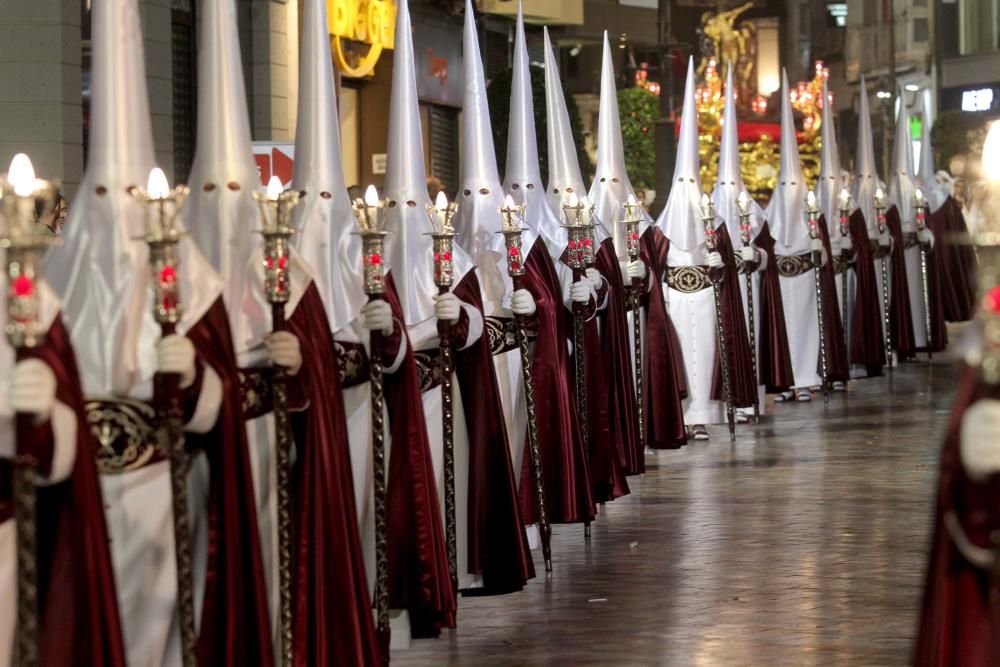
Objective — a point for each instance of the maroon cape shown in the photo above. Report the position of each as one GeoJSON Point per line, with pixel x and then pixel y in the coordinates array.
{"type": "Point", "coordinates": [900, 315]}
{"type": "Point", "coordinates": [568, 495]}
{"type": "Point", "coordinates": [617, 353]}
{"type": "Point", "coordinates": [838, 367]}
{"type": "Point", "coordinates": [333, 620]}
{"type": "Point", "coordinates": [419, 580]}
{"type": "Point", "coordinates": [935, 283]}
{"type": "Point", "coordinates": [960, 618]}
{"type": "Point", "coordinates": [78, 606]}
{"type": "Point", "coordinates": [607, 466]}
{"type": "Point", "coordinates": [664, 377]}
{"type": "Point", "coordinates": [774, 366]}
{"type": "Point", "coordinates": [867, 342]}
{"type": "Point", "coordinates": [955, 261]}
{"type": "Point", "coordinates": [235, 627]}
{"type": "Point", "coordinates": [498, 547]}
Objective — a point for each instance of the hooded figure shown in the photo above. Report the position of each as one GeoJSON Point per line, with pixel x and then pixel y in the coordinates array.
{"type": "Point", "coordinates": [788, 215]}
{"type": "Point", "coordinates": [690, 267]}
{"type": "Point", "coordinates": [955, 261]}
{"type": "Point", "coordinates": [102, 274]}
{"type": "Point", "coordinates": [77, 606]}
{"type": "Point", "coordinates": [568, 491]}
{"type": "Point", "coordinates": [774, 366]}
{"type": "Point", "coordinates": [926, 323]}
{"type": "Point", "coordinates": [664, 383]}
{"type": "Point", "coordinates": [610, 390]}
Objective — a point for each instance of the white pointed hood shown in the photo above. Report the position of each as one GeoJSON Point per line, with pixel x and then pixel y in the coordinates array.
{"type": "Point", "coordinates": [831, 176]}
{"type": "Point", "coordinates": [101, 270]}
{"type": "Point", "coordinates": [902, 183]}
{"type": "Point", "coordinates": [611, 187]}
{"type": "Point", "coordinates": [478, 220]}
{"type": "Point", "coordinates": [935, 192]}
{"type": "Point", "coordinates": [523, 180]}
{"type": "Point", "coordinates": [324, 219]}
{"type": "Point", "coordinates": [564, 164]}
{"type": "Point", "coordinates": [866, 179]}
{"type": "Point", "coordinates": [409, 249]}
{"type": "Point", "coordinates": [729, 184]}
{"type": "Point", "coordinates": [681, 218]}
{"type": "Point", "coordinates": [786, 212]}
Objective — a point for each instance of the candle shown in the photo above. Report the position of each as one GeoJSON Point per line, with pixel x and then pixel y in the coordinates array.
{"type": "Point", "coordinates": [879, 198]}
{"type": "Point", "coordinates": [811, 202]}
{"type": "Point", "coordinates": [918, 196]}
{"type": "Point", "coordinates": [845, 199]}
{"type": "Point", "coordinates": [22, 175]}
{"type": "Point", "coordinates": [274, 188]}
{"type": "Point", "coordinates": [441, 210]}
{"type": "Point", "coordinates": [743, 203]}
{"type": "Point", "coordinates": [157, 186]}
{"type": "Point", "coordinates": [706, 206]}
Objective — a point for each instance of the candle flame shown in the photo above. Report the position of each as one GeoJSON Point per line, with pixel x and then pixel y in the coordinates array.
{"type": "Point", "coordinates": [371, 196]}
{"type": "Point", "coordinates": [918, 195]}
{"type": "Point", "coordinates": [274, 188]}
{"type": "Point", "coordinates": [508, 202]}
{"type": "Point", "coordinates": [879, 194]}
{"type": "Point", "coordinates": [811, 200]}
{"type": "Point", "coordinates": [573, 201]}
{"type": "Point", "coordinates": [156, 186]}
{"type": "Point", "coordinates": [845, 198]}
{"type": "Point", "coordinates": [631, 200]}
{"type": "Point", "coordinates": [441, 202]}
{"type": "Point", "coordinates": [742, 199]}
{"type": "Point", "coordinates": [706, 204]}
{"type": "Point", "coordinates": [22, 175]}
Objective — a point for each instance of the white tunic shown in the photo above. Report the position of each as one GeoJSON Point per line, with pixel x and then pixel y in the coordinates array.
{"type": "Point", "coordinates": [915, 287]}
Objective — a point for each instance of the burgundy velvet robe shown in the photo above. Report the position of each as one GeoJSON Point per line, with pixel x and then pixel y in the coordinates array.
{"type": "Point", "coordinates": [867, 342]}
{"type": "Point", "coordinates": [960, 617]}
{"type": "Point", "coordinates": [664, 377]}
{"type": "Point", "coordinates": [774, 365]}
{"type": "Point", "coordinates": [419, 579]}
{"type": "Point", "coordinates": [498, 546]}
{"type": "Point", "coordinates": [333, 622]}
{"type": "Point", "coordinates": [837, 364]}
{"type": "Point", "coordinates": [955, 262]}
{"type": "Point", "coordinates": [78, 606]}
{"type": "Point", "coordinates": [568, 491]}
{"type": "Point", "coordinates": [235, 626]}
{"type": "Point", "coordinates": [900, 315]}
{"type": "Point", "coordinates": [617, 353]}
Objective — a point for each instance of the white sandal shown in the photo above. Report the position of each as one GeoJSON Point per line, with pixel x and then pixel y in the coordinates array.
{"type": "Point", "coordinates": [803, 395]}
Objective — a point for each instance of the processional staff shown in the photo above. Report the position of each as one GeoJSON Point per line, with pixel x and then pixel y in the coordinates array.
{"type": "Point", "coordinates": [708, 220]}
{"type": "Point", "coordinates": [441, 214]}
{"type": "Point", "coordinates": [511, 218]}
{"type": "Point", "coordinates": [743, 204]}
{"type": "Point", "coordinates": [370, 215]}
{"type": "Point", "coordinates": [817, 258]}
{"type": "Point", "coordinates": [920, 203]}
{"type": "Point", "coordinates": [632, 221]}
{"type": "Point", "coordinates": [845, 230]}
{"type": "Point", "coordinates": [880, 220]}
{"type": "Point", "coordinates": [22, 192]}
{"type": "Point", "coordinates": [276, 213]}
{"type": "Point", "coordinates": [162, 237]}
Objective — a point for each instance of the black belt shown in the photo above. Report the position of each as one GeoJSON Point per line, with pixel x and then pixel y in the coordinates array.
{"type": "Point", "coordinates": [790, 266]}
{"type": "Point", "coordinates": [502, 336]}
{"type": "Point", "coordinates": [352, 364]}
{"type": "Point", "coordinates": [910, 240]}
{"type": "Point", "coordinates": [126, 433]}
{"type": "Point", "coordinates": [688, 279]}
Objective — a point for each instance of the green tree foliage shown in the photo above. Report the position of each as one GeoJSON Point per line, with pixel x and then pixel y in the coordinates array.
{"type": "Point", "coordinates": [498, 96]}
{"type": "Point", "coordinates": [639, 109]}
{"type": "Point", "coordinates": [957, 133]}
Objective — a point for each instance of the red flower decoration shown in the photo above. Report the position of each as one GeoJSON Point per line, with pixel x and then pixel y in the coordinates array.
{"type": "Point", "coordinates": [513, 252]}
{"type": "Point", "coordinates": [283, 262]}
{"type": "Point", "coordinates": [572, 245]}
{"type": "Point", "coordinates": [23, 286]}
{"type": "Point", "coordinates": [586, 242]}
{"type": "Point", "coordinates": [168, 274]}
{"type": "Point", "coordinates": [375, 258]}
{"type": "Point", "coordinates": [635, 236]}
{"type": "Point", "coordinates": [447, 256]}
{"type": "Point", "coordinates": [515, 266]}
{"type": "Point", "coordinates": [269, 261]}
{"type": "Point", "coordinates": [993, 300]}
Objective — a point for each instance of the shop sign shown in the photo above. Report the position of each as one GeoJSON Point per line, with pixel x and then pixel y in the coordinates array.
{"type": "Point", "coordinates": [274, 159]}
{"type": "Point", "coordinates": [371, 22]}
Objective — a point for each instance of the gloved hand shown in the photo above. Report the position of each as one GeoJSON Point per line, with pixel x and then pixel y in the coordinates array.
{"type": "Point", "coordinates": [283, 350]}
{"type": "Point", "coordinates": [636, 269]}
{"type": "Point", "coordinates": [522, 303]}
{"type": "Point", "coordinates": [884, 239]}
{"type": "Point", "coordinates": [748, 255]}
{"type": "Point", "coordinates": [846, 243]}
{"type": "Point", "coordinates": [580, 291]}
{"type": "Point", "coordinates": [33, 388]}
{"type": "Point", "coordinates": [594, 276]}
{"type": "Point", "coordinates": [816, 245]}
{"type": "Point", "coordinates": [175, 354]}
{"type": "Point", "coordinates": [926, 238]}
{"type": "Point", "coordinates": [714, 260]}
{"type": "Point", "coordinates": [377, 316]}
{"type": "Point", "coordinates": [979, 439]}
{"type": "Point", "coordinates": [447, 307]}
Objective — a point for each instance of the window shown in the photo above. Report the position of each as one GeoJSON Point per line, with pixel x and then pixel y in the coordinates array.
{"type": "Point", "coordinates": [979, 25]}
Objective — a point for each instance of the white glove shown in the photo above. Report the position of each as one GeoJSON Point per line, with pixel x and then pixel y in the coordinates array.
{"type": "Point", "coordinates": [748, 254]}
{"type": "Point", "coordinates": [595, 278]}
{"type": "Point", "coordinates": [377, 316]}
{"type": "Point", "coordinates": [979, 439]}
{"type": "Point", "coordinates": [447, 307]}
{"type": "Point", "coordinates": [714, 260]}
{"type": "Point", "coordinates": [283, 350]}
{"type": "Point", "coordinates": [522, 303]}
{"type": "Point", "coordinates": [846, 243]}
{"type": "Point", "coordinates": [175, 354]}
{"type": "Point", "coordinates": [636, 269]}
{"type": "Point", "coordinates": [926, 237]}
{"type": "Point", "coordinates": [580, 291]}
{"type": "Point", "coordinates": [884, 239]}
{"type": "Point", "coordinates": [816, 245]}
{"type": "Point", "coordinates": [33, 388]}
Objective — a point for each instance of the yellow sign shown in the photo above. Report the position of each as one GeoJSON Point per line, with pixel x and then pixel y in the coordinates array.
{"type": "Point", "coordinates": [371, 22]}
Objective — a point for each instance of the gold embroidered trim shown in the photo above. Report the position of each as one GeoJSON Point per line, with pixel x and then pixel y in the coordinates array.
{"type": "Point", "coordinates": [126, 433]}
{"type": "Point", "coordinates": [688, 279]}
